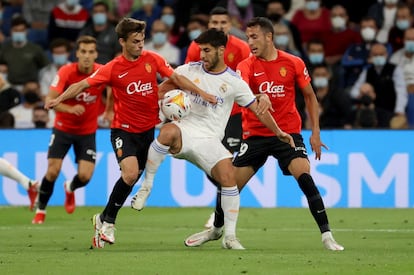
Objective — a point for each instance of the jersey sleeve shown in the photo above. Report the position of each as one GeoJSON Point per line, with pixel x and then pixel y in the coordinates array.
{"type": "Point", "coordinates": [193, 53]}
{"type": "Point", "coordinates": [61, 78]}
{"type": "Point", "coordinates": [164, 69]}
{"type": "Point", "coordinates": [245, 96]}
{"type": "Point", "coordinates": [243, 69]}
{"type": "Point", "coordinates": [302, 75]}
{"type": "Point", "coordinates": [101, 75]}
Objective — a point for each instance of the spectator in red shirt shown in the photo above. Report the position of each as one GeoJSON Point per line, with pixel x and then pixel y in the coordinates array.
{"type": "Point", "coordinates": [133, 79]}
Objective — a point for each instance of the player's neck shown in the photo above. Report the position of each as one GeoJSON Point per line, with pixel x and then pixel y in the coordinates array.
{"type": "Point", "coordinates": [270, 54]}
{"type": "Point", "coordinates": [85, 70]}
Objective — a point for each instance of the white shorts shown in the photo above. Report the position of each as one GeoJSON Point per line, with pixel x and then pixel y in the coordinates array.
{"type": "Point", "coordinates": [204, 152]}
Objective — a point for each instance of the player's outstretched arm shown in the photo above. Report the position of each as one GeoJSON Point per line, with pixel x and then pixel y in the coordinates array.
{"type": "Point", "coordinates": [185, 84]}
{"type": "Point", "coordinates": [72, 91]}
{"type": "Point", "coordinates": [270, 123]}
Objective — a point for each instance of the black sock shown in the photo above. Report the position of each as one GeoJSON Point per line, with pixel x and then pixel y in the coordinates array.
{"type": "Point", "coordinates": [45, 192]}
{"type": "Point", "coordinates": [77, 183]}
{"type": "Point", "coordinates": [315, 201]}
{"type": "Point", "coordinates": [218, 213]}
{"type": "Point", "coordinates": [116, 200]}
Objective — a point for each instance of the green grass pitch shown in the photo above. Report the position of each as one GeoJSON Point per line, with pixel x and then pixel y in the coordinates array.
{"type": "Point", "coordinates": [277, 241]}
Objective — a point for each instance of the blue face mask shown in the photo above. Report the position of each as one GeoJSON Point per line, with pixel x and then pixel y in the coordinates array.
{"type": "Point", "coordinates": [72, 3]}
{"type": "Point", "coordinates": [60, 59]}
{"type": "Point", "coordinates": [402, 24]}
{"type": "Point", "coordinates": [320, 82]}
{"type": "Point", "coordinates": [312, 5]}
{"type": "Point", "coordinates": [168, 19]}
{"type": "Point", "coordinates": [18, 37]}
{"type": "Point", "coordinates": [99, 18]}
{"type": "Point", "coordinates": [194, 34]}
{"type": "Point", "coordinates": [379, 60]}
{"type": "Point", "coordinates": [1, 15]}
{"type": "Point", "coordinates": [316, 58]}
{"type": "Point", "coordinates": [242, 3]}
{"type": "Point", "coordinates": [409, 46]}
{"type": "Point", "coordinates": [159, 38]}
{"type": "Point", "coordinates": [281, 40]}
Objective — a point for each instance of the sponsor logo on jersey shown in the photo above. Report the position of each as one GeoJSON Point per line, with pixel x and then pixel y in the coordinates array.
{"type": "Point", "coordinates": [86, 97]}
{"type": "Point", "coordinates": [272, 89]}
{"type": "Point", "coordinates": [139, 87]}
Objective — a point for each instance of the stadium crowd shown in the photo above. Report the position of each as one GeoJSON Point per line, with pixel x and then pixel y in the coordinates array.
{"type": "Point", "coordinates": [360, 54]}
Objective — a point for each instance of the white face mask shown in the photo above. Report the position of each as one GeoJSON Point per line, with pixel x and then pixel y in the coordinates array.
{"type": "Point", "coordinates": [390, 1]}
{"type": "Point", "coordinates": [368, 34]}
{"type": "Point", "coordinates": [338, 22]}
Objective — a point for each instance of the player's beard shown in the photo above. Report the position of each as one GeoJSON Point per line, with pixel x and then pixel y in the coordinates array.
{"type": "Point", "coordinates": [213, 63]}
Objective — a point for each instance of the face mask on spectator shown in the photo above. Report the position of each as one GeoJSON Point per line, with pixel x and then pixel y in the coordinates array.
{"type": "Point", "coordinates": [31, 97]}
{"type": "Point", "coordinates": [242, 3]}
{"type": "Point", "coordinates": [18, 37]}
{"type": "Point", "coordinates": [390, 1]}
{"type": "Point", "coordinates": [148, 2]}
{"type": "Point", "coordinates": [275, 17]}
{"type": "Point", "coordinates": [379, 60]}
{"type": "Point", "coordinates": [72, 3]}
{"type": "Point", "coordinates": [312, 5]}
{"type": "Point", "coordinates": [409, 46]}
{"type": "Point", "coordinates": [281, 39]}
{"type": "Point", "coordinates": [168, 19]}
{"type": "Point", "coordinates": [338, 22]}
{"type": "Point", "coordinates": [159, 38]}
{"type": "Point", "coordinates": [99, 18]}
{"type": "Point", "coordinates": [40, 124]}
{"type": "Point", "coordinates": [316, 58]}
{"type": "Point", "coordinates": [60, 59]}
{"type": "Point", "coordinates": [320, 82]}
{"type": "Point", "coordinates": [194, 34]}
{"type": "Point", "coordinates": [402, 24]}
{"type": "Point", "coordinates": [368, 34]}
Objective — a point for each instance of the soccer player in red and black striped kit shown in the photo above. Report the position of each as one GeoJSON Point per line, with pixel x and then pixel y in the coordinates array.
{"type": "Point", "coordinates": [275, 73]}
{"type": "Point", "coordinates": [133, 78]}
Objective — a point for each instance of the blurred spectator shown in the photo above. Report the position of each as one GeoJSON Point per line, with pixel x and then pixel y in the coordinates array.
{"type": "Point", "coordinates": [124, 8]}
{"type": "Point", "coordinates": [356, 9]}
{"type": "Point", "coordinates": [149, 12]}
{"type": "Point", "coordinates": [276, 12]}
{"type": "Point", "coordinates": [11, 9]}
{"type": "Point", "coordinates": [20, 59]}
{"type": "Point", "coordinates": [241, 11]}
{"type": "Point", "coordinates": [403, 21]}
{"type": "Point", "coordinates": [37, 13]}
{"type": "Point", "coordinates": [388, 82]}
{"type": "Point", "coordinates": [9, 97]}
{"type": "Point", "coordinates": [174, 30]}
{"type": "Point", "coordinates": [384, 14]}
{"type": "Point", "coordinates": [409, 78]}
{"type": "Point", "coordinates": [292, 6]}
{"type": "Point", "coordinates": [315, 53]}
{"type": "Point", "coordinates": [405, 55]}
{"type": "Point", "coordinates": [60, 51]}
{"type": "Point", "coordinates": [23, 112]}
{"type": "Point", "coordinates": [365, 114]}
{"type": "Point", "coordinates": [40, 117]}
{"type": "Point", "coordinates": [312, 21]}
{"type": "Point", "coordinates": [6, 120]}
{"type": "Point", "coordinates": [184, 9]}
{"type": "Point", "coordinates": [335, 107]}
{"type": "Point", "coordinates": [66, 20]}
{"type": "Point", "coordinates": [356, 56]}
{"type": "Point", "coordinates": [160, 44]}
{"type": "Point", "coordinates": [104, 32]}
{"type": "Point", "coordinates": [340, 37]}
{"type": "Point", "coordinates": [2, 36]}
{"type": "Point", "coordinates": [283, 39]}
{"type": "Point", "coordinates": [197, 24]}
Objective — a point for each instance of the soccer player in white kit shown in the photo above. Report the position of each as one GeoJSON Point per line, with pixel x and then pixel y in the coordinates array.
{"type": "Point", "coordinates": [197, 137]}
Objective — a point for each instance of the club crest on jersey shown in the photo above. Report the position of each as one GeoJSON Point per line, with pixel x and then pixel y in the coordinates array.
{"type": "Point", "coordinates": [148, 67]}
{"type": "Point", "coordinates": [283, 71]}
{"type": "Point", "coordinates": [230, 57]}
{"type": "Point", "coordinates": [223, 88]}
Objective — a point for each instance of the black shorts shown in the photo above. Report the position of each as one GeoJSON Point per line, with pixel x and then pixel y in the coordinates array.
{"type": "Point", "coordinates": [126, 144]}
{"type": "Point", "coordinates": [233, 133]}
{"type": "Point", "coordinates": [84, 146]}
{"type": "Point", "coordinates": [255, 150]}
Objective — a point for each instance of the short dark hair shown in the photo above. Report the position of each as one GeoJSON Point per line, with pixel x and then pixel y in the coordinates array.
{"type": "Point", "coordinates": [219, 11]}
{"type": "Point", "coordinates": [18, 20]}
{"type": "Point", "coordinates": [214, 37]}
{"type": "Point", "coordinates": [59, 42]}
{"type": "Point", "coordinates": [129, 25]}
{"type": "Point", "coordinates": [101, 3]}
{"type": "Point", "coordinates": [264, 23]}
{"type": "Point", "coordinates": [85, 39]}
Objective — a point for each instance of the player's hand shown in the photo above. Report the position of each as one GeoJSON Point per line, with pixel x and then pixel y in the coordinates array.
{"type": "Point", "coordinates": [108, 116]}
{"type": "Point", "coordinates": [285, 137]}
{"type": "Point", "coordinates": [264, 104]}
{"type": "Point", "coordinates": [209, 98]}
{"type": "Point", "coordinates": [50, 103]}
{"type": "Point", "coordinates": [77, 110]}
{"type": "Point", "coordinates": [316, 145]}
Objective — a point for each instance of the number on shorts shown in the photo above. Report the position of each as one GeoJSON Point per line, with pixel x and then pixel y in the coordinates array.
{"type": "Point", "coordinates": [243, 149]}
{"type": "Point", "coordinates": [52, 139]}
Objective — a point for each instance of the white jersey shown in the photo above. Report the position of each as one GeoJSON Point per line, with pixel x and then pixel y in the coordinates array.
{"type": "Point", "coordinates": [206, 119]}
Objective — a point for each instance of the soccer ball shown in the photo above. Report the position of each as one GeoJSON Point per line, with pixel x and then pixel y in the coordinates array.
{"type": "Point", "coordinates": [176, 104]}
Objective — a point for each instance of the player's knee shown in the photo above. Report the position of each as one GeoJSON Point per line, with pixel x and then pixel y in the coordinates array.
{"type": "Point", "coordinates": [84, 178]}
{"type": "Point", "coordinates": [130, 176]}
{"type": "Point", "coordinates": [168, 133]}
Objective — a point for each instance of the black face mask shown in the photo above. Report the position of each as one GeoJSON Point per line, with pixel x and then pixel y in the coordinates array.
{"type": "Point", "coordinates": [274, 17]}
{"type": "Point", "coordinates": [31, 97]}
{"type": "Point", "coordinates": [40, 124]}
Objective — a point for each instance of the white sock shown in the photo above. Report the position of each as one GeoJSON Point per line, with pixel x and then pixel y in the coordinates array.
{"type": "Point", "coordinates": [230, 202]}
{"type": "Point", "coordinates": [8, 170]}
{"type": "Point", "coordinates": [156, 155]}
